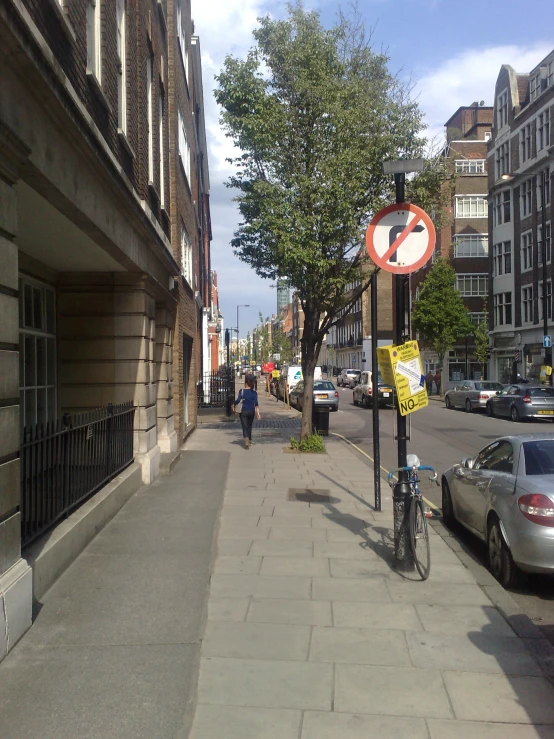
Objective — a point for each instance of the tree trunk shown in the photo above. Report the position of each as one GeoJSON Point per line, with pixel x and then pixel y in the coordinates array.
{"type": "Point", "coordinates": [311, 344]}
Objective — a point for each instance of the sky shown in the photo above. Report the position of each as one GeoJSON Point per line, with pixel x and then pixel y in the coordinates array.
{"type": "Point", "coordinates": [452, 51]}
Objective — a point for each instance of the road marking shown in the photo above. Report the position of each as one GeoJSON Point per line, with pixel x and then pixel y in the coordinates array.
{"type": "Point", "coordinates": [432, 506]}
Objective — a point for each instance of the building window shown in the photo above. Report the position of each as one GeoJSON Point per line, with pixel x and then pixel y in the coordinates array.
{"type": "Point", "coordinates": [525, 148]}
{"type": "Point", "coordinates": [527, 304]}
{"type": "Point", "coordinates": [182, 40]}
{"type": "Point", "coordinates": [470, 285]}
{"type": "Point", "coordinates": [526, 251]}
{"type": "Point", "coordinates": [502, 109]}
{"type": "Point", "coordinates": [550, 78]}
{"type": "Point", "coordinates": [488, 135]}
{"type": "Point", "coordinates": [502, 159]}
{"type": "Point", "coordinates": [122, 66]}
{"type": "Point", "coordinates": [471, 206]}
{"type": "Point", "coordinates": [543, 130]}
{"type": "Point", "coordinates": [94, 45]}
{"type": "Point", "coordinates": [186, 255]}
{"type": "Point", "coordinates": [535, 87]}
{"type": "Point", "coordinates": [477, 318]}
{"type": "Point", "coordinates": [543, 178]}
{"type": "Point", "coordinates": [161, 139]}
{"type": "Point", "coordinates": [470, 166]}
{"type": "Point", "coordinates": [150, 115]}
{"type": "Point", "coordinates": [471, 245]}
{"type": "Point", "coordinates": [547, 246]}
{"type": "Point", "coordinates": [502, 208]}
{"type": "Point", "coordinates": [37, 347]}
{"type": "Point", "coordinates": [502, 258]}
{"type": "Point", "coordinates": [503, 309]}
{"type": "Point", "coordinates": [184, 149]}
{"type": "Point", "coordinates": [525, 196]}
{"type": "Point", "coordinates": [548, 301]}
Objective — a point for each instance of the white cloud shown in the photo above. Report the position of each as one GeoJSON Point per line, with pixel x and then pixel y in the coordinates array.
{"type": "Point", "coordinates": [471, 76]}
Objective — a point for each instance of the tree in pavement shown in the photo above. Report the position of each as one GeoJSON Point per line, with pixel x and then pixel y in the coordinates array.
{"type": "Point", "coordinates": [481, 338]}
{"type": "Point", "coordinates": [439, 314]}
{"type": "Point", "coordinates": [313, 113]}
{"type": "Point", "coordinates": [263, 339]}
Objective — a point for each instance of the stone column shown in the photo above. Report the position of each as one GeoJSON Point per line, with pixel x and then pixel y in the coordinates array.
{"type": "Point", "coordinates": [16, 580]}
{"type": "Point", "coordinates": [163, 373]}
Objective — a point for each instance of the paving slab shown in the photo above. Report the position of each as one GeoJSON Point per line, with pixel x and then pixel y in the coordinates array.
{"type": "Point", "coordinates": [286, 521]}
{"type": "Point", "coordinates": [256, 640]}
{"type": "Point", "coordinates": [376, 616]}
{"type": "Point", "coordinates": [276, 548]}
{"type": "Point", "coordinates": [345, 550]}
{"type": "Point", "coordinates": [437, 593]}
{"type": "Point", "coordinates": [440, 729]}
{"type": "Point", "coordinates": [392, 691]}
{"type": "Point", "coordinates": [297, 533]}
{"type": "Point", "coordinates": [227, 609]}
{"type": "Point", "coordinates": [475, 652]}
{"type": "Point", "coordinates": [373, 566]}
{"type": "Point", "coordinates": [334, 588]}
{"type": "Point", "coordinates": [359, 646]}
{"type": "Point", "coordinates": [258, 586]}
{"type": "Point", "coordinates": [266, 683]}
{"type": "Point", "coordinates": [234, 722]}
{"type": "Point", "coordinates": [234, 547]}
{"type": "Point", "coordinates": [291, 566]}
{"type": "Point", "coordinates": [238, 530]}
{"type": "Point", "coordinates": [245, 512]}
{"type": "Point", "coordinates": [463, 619]}
{"type": "Point", "coordinates": [289, 611]}
{"type": "Point", "coordinates": [319, 725]}
{"type": "Point", "coordinates": [509, 699]}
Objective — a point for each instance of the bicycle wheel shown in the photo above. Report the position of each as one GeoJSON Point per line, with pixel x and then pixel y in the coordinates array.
{"type": "Point", "coordinates": [419, 538]}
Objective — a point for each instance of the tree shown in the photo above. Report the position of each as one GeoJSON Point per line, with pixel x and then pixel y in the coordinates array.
{"type": "Point", "coordinates": [481, 338]}
{"type": "Point", "coordinates": [439, 314]}
{"type": "Point", "coordinates": [281, 345]}
{"type": "Point", "coordinates": [263, 339]}
{"type": "Point", "coordinates": [314, 112]}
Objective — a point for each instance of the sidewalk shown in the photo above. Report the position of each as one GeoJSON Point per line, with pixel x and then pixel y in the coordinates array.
{"type": "Point", "coordinates": [311, 633]}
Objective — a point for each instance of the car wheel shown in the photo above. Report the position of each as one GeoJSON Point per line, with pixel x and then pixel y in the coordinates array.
{"type": "Point", "coordinates": [448, 403]}
{"type": "Point", "coordinates": [501, 562]}
{"type": "Point", "coordinates": [468, 406]}
{"type": "Point", "coordinates": [354, 400]}
{"type": "Point", "coordinates": [447, 507]}
{"type": "Point", "coordinates": [366, 402]}
{"type": "Point", "coordinates": [490, 410]}
{"type": "Point", "coordinates": [514, 414]}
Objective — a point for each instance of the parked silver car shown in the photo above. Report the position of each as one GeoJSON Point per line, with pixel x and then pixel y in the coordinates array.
{"type": "Point", "coordinates": [505, 496]}
{"type": "Point", "coordinates": [471, 394]}
{"type": "Point", "coordinates": [325, 394]}
{"type": "Point", "coordinates": [348, 378]}
{"type": "Point", "coordinates": [519, 402]}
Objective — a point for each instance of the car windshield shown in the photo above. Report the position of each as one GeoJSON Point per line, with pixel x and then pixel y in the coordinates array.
{"type": "Point", "coordinates": [539, 457]}
{"type": "Point", "coordinates": [541, 392]}
{"type": "Point", "coordinates": [488, 386]}
{"type": "Point", "coordinates": [323, 385]}
{"type": "Point", "coordinates": [353, 372]}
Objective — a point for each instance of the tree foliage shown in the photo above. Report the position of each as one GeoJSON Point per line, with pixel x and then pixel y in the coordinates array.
{"type": "Point", "coordinates": [314, 113]}
{"type": "Point", "coordinates": [281, 345]}
{"type": "Point", "coordinates": [481, 338]}
{"type": "Point", "coordinates": [439, 314]}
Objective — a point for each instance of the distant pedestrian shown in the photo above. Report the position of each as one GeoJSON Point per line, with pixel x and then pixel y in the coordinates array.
{"type": "Point", "coordinates": [437, 378]}
{"type": "Point", "coordinates": [249, 399]}
{"type": "Point", "coordinates": [429, 382]}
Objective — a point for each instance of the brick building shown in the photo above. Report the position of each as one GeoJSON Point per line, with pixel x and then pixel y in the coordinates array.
{"type": "Point", "coordinates": [520, 156]}
{"type": "Point", "coordinates": [104, 238]}
{"type": "Point", "coordinates": [463, 238]}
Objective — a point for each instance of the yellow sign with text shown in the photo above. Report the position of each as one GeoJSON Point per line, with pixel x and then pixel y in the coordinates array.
{"type": "Point", "coordinates": [401, 366]}
{"type": "Point", "coordinates": [276, 374]}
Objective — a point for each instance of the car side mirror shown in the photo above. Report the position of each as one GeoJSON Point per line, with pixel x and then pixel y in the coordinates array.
{"type": "Point", "coordinates": [467, 463]}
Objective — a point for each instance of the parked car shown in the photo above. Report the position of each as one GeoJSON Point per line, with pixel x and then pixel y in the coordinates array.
{"type": "Point", "coordinates": [348, 378]}
{"type": "Point", "coordinates": [505, 496]}
{"type": "Point", "coordinates": [363, 392]}
{"type": "Point", "coordinates": [471, 394]}
{"type": "Point", "coordinates": [291, 375]}
{"type": "Point", "coordinates": [519, 402]}
{"type": "Point", "coordinates": [325, 396]}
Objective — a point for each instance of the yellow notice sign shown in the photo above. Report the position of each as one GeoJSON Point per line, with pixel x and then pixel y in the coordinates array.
{"type": "Point", "coordinates": [401, 366]}
{"type": "Point", "coordinates": [276, 374]}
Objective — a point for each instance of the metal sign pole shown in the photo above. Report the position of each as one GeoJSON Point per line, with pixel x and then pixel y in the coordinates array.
{"type": "Point", "coordinates": [375, 395]}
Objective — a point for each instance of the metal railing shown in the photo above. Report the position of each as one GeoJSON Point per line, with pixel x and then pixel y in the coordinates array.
{"type": "Point", "coordinates": [216, 388]}
{"type": "Point", "coordinates": [64, 462]}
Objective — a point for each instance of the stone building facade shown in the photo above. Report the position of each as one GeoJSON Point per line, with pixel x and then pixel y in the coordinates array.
{"type": "Point", "coordinates": [521, 167]}
{"type": "Point", "coordinates": [101, 302]}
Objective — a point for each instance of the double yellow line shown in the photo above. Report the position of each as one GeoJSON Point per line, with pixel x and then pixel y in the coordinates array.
{"type": "Point", "coordinates": [432, 506]}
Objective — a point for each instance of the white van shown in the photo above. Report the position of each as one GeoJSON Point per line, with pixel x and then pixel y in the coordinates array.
{"type": "Point", "coordinates": [291, 375]}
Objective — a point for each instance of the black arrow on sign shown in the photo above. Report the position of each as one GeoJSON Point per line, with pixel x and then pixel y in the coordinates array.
{"type": "Point", "coordinates": [393, 235]}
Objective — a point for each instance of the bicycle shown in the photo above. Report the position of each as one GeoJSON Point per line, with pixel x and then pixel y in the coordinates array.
{"type": "Point", "coordinates": [419, 534]}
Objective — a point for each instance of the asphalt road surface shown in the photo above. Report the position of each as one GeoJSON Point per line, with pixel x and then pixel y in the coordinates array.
{"type": "Point", "coordinates": [440, 438]}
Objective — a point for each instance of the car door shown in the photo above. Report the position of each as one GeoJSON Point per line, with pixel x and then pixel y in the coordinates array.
{"type": "Point", "coordinates": [464, 394]}
{"type": "Point", "coordinates": [497, 479]}
{"type": "Point", "coordinates": [456, 396]}
{"type": "Point", "coordinates": [503, 402]}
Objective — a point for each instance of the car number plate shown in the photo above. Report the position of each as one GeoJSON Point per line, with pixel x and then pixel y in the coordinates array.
{"type": "Point", "coordinates": [546, 413]}
{"type": "Point", "coordinates": [386, 395]}
{"type": "Point", "coordinates": [323, 397]}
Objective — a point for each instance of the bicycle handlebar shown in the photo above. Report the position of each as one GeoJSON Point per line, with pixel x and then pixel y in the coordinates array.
{"type": "Point", "coordinates": [434, 478]}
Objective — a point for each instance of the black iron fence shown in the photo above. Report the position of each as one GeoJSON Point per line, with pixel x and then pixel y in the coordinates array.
{"type": "Point", "coordinates": [216, 387]}
{"type": "Point", "coordinates": [64, 462]}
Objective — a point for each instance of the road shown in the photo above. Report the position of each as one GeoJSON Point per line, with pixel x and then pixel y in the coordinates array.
{"type": "Point", "coordinates": [441, 437]}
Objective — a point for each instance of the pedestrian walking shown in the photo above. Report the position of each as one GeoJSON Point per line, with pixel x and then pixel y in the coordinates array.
{"type": "Point", "coordinates": [437, 378]}
{"type": "Point", "coordinates": [249, 399]}
{"type": "Point", "coordinates": [429, 382]}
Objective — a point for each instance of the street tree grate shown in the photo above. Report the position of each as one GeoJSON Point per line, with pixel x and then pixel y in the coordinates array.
{"type": "Point", "coordinates": [311, 495]}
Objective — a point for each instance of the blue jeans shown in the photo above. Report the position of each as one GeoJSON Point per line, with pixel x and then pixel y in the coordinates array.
{"type": "Point", "coordinates": [247, 419]}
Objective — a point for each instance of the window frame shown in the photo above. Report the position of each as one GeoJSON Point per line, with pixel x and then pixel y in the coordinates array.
{"type": "Point", "coordinates": [527, 304]}
{"type": "Point", "coordinates": [94, 39]}
{"type": "Point", "coordinates": [469, 166]}
{"type": "Point", "coordinates": [462, 201]}
{"type": "Point", "coordinates": [473, 240]}
{"type": "Point", "coordinates": [526, 251]}
{"type": "Point", "coordinates": [481, 277]}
